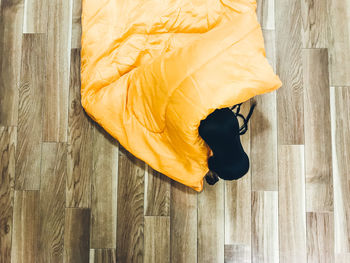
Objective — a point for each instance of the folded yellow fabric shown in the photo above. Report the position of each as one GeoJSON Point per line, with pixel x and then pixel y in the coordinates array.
{"type": "Point", "coordinates": [151, 70]}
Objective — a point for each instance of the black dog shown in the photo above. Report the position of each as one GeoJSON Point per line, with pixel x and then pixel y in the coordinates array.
{"type": "Point", "coordinates": [221, 131]}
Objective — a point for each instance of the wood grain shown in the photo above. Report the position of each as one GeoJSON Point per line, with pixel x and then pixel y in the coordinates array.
{"type": "Point", "coordinates": [77, 235]}
{"type": "Point", "coordinates": [55, 94]}
{"type": "Point", "coordinates": [290, 105]}
{"type": "Point", "coordinates": [183, 223]}
{"type": "Point", "coordinates": [25, 227]}
{"type": "Point", "coordinates": [340, 115]}
{"type": "Point", "coordinates": [237, 254]}
{"type": "Point", "coordinates": [104, 190]}
{"type": "Point", "coordinates": [320, 237]}
{"type": "Point", "coordinates": [35, 16]}
{"type": "Point", "coordinates": [11, 21]}
{"type": "Point", "coordinates": [76, 24]}
{"type": "Point", "coordinates": [315, 24]}
{"type": "Point", "coordinates": [265, 243]}
{"type": "Point", "coordinates": [130, 234]}
{"type": "Point", "coordinates": [211, 223]}
{"type": "Point", "coordinates": [157, 239]}
{"type": "Point", "coordinates": [52, 202]}
{"type": "Point", "coordinates": [103, 256]}
{"type": "Point", "coordinates": [318, 147]}
{"type": "Point", "coordinates": [80, 143]}
{"type": "Point", "coordinates": [266, 13]}
{"type": "Point", "coordinates": [7, 175]}
{"type": "Point", "coordinates": [157, 193]}
{"type": "Point", "coordinates": [32, 82]}
{"type": "Point", "coordinates": [291, 203]}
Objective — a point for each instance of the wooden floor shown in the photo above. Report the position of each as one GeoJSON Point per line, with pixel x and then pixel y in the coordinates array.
{"type": "Point", "coordinates": [71, 193]}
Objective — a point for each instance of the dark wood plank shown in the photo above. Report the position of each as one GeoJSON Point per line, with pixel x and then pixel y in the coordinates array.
{"type": "Point", "coordinates": [318, 147]}
{"type": "Point", "coordinates": [290, 105]}
{"type": "Point", "coordinates": [76, 24]}
{"type": "Point", "coordinates": [291, 203]}
{"type": "Point", "coordinates": [11, 20]}
{"type": "Point", "coordinates": [265, 243]}
{"type": "Point", "coordinates": [237, 253]}
{"type": "Point", "coordinates": [77, 235]}
{"type": "Point", "coordinates": [103, 256]}
{"type": "Point", "coordinates": [130, 225]}
{"type": "Point", "coordinates": [104, 190]}
{"type": "Point", "coordinates": [52, 202]}
{"type": "Point", "coordinates": [315, 24]}
{"type": "Point", "coordinates": [211, 223]}
{"type": "Point", "coordinates": [55, 94]}
{"type": "Point", "coordinates": [157, 239]}
{"type": "Point", "coordinates": [340, 116]}
{"type": "Point", "coordinates": [25, 227]}
{"type": "Point", "coordinates": [35, 16]}
{"type": "Point", "coordinates": [7, 175]}
{"type": "Point", "coordinates": [157, 195]}
{"type": "Point", "coordinates": [80, 143]}
{"type": "Point", "coordinates": [320, 237]}
{"type": "Point", "coordinates": [183, 223]}
{"type": "Point", "coordinates": [32, 83]}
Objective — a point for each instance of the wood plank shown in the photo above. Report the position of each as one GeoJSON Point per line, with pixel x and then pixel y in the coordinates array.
{"type": "Point", "coordinates": [52, 202]}
{"type": "Point", "coordinates": [315, 24]}
{"type": "Point", "coordinates": [183, 223]}
{"type": "Point", "coordinates": [237, 253]}
{"type": "Point", "coordinates": [7, 174]}
{"type": "Point", "coordinates": [318, 147]}
{"type": "Point", "coordinates": [157, 239]}
{"type": "Point", "coordinates": [55, 102]}
{"type": "Point", "coordinates": [25, 227]}
{"type": "Point", "coordinates": [103, 256]}
{"type": "Point", "coordinates": [290, 105]}
{"type": "Point", "coordinates": [76, 24]}
{"type": "Point", "coordinates": [104, 190]}
{"type": "Point", "coordinates": [157, 193]}
{"type": "Point", "coordinates": [77, 235]}
{"type": "Point", "coordinates": [339, 44]}
{"type": "Point", "coordinates": [266, 13]}
{"type": "Point", "coordinates": [270, 47]}
{"type": "Point", "coordinates": [11, 20]}
{"type": "Point", "coordinates": [35, 16]}
{"type": "Point", "coordinates": [340, 115]}
{"type": "Point", "coordinates": [211, 223]}
{"type": "Point", "coordinates": [32, 82]}
{"type": "Point", "coordinates": [80, 143]}
{"type": "Point", "coordinates": [342, 258]}
{"type": "Point", "coordinates": [291, 198]}
{"type": "Point", "coordinates": [320, 237]}
{"type": "Point", "coordinates": [130, 225]}
{"type": "Point", "coordinates": [265, 243]}
{"type": "Point", "coordinates": [238, 199]}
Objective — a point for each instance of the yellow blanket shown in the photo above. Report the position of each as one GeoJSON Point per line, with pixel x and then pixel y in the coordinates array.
{"type": "Point", "coordinates": [151, 70]}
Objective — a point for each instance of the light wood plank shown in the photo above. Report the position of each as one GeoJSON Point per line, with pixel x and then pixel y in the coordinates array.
{"type": "Point", "coordinates": [290, 105]}
{"type": "Point", "coordinates": [77, 235]}
{"type": "Point", "coordinates": [52, 202]}
{"type": "Point", "coordinates": [157, 239]}
{"type": "Point", "coordinates": [35, 16]}
{"type": "Point", "coordinates": [157, 193]}
{"type": "Point", "coordinates": [32, 82]}
{"type": "Point", "coordinates": [76, 24]}
{"type": "Point", "coordinates": [265, 244]}
{"type": "Point", "coordinates": [318, 147]}
{"type": "Point", "coordinates": [25, 227]}
{"type": "Point", "coordinates": [7, 174]}
{"type": "Point", "coordinates": [237, 253]}
{"type": "Point", "coordinates": [211, 223]}
{"type": "Point", "coordinates": [104, 190]}
{"type": "Point", "coordinates": [266, 13]}
{"type": "Point", "coordinates": [320, 237]}
{"type": "Point", "coordinates": [340, 115]}
{"type": "Point", "coordinates": [11, 20]}
{"type": "Point", "coordinates": [291, 203]}
{"type": "Point", "coordinates": [342, 258]}
{"type": "Point", "coordinates": [339, 44]}
{"type": "Point", "coordinates": [315, 24]}
{"type": "Point", "coordinates": [103, 256]}
{"type": "Point", "coordinates": [270, 47]}
{"type": "Point", "coordinates": [183, 223]}
{"type": "Point", "coordinates": [130, 225]}
{"type": "Point", "coordinates": [55, 102]}
{"type": "Point", "coordinates": [80, 143]}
